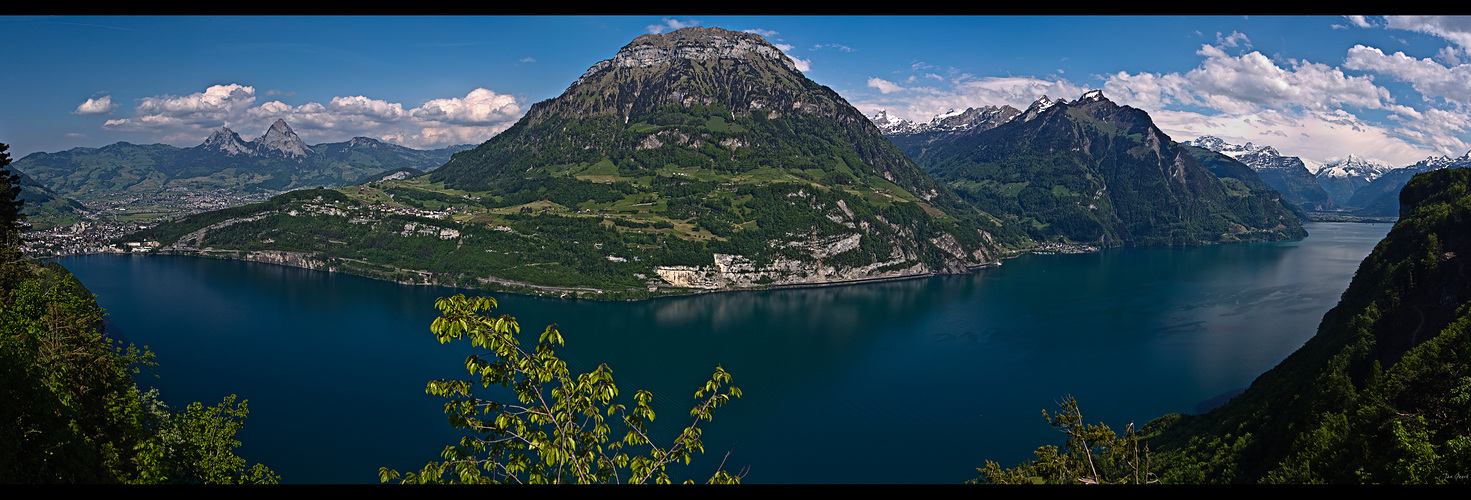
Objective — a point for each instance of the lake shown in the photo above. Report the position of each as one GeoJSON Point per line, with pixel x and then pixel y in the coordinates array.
{"type": "Point", "coordinates": [915, 381]}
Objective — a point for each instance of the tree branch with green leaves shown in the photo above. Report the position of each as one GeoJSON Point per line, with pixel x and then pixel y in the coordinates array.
{"type": "Point", "coordinates": [557, 429]}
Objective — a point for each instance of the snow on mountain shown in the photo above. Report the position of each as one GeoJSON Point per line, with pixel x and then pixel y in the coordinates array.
{"type": "Point", "coordinates": [1357, 166]}
{"type": "Point", "coordinates": [949, 121]}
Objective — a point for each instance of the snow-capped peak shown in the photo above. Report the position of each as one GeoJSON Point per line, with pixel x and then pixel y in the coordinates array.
{"type": "Point", "coordinates": [1356, 166]}
{"type": "Point", "coordinates": [1091, 96]}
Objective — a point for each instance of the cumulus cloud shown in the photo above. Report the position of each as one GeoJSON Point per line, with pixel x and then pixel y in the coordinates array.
{"type": "Point", "coordinates": [1249, 83]}
{"type": "Point", "coordinates": [763, 33]}
{"type": "Point", "coordinates": [185, 120]}
{"type": "Point", "coordinates": [215, 105]}
{"type": "Point", "coordinates": [96, 106]}
{"type": "Point", "coordinates": [1431, 79]}
{"type": "Point", "coordinates": [1301, 107]}
{"type": "Point", "coordinates": [1455, 29]}
{"type": "Point", "coordinates": [884, 86]}
{"type": "Point", "coordinates": [671, 25]}
{"type": "Point", "coordinates": [481, 107]}
{"type": "Point", "coordinates": [803, 65]}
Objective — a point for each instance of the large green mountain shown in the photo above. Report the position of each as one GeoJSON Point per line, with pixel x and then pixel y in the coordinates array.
{"type": "Point", "coordinates": [1382, 393]}
{"type": "Point", "coordinates": [697, 159]}
{"type": "Point", "coordinates": [1093, 171]}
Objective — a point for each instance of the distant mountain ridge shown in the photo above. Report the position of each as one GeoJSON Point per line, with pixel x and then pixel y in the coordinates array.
{"type": "Point", "coordinates": [1288, 174]}
{"type": "Point", "coordinates": [1381, 196]}
{"type": "Point", "coordinates": [1092, 171]}
{"type": "Point", "coordinates": [914, 139]}
{"type": "Point", "coordinates": [278, 160]}
{"type": "Point", "coordinates": [1343, 177]}
{"type": "Point", "coordinates": [279, 139]}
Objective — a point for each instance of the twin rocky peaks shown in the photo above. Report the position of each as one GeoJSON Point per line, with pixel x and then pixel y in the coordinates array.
{"type": "Point", "coordinates": [278, 139]}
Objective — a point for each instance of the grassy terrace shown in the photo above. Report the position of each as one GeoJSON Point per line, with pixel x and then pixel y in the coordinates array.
{"type": "Point", "coordinates": [642, 209]}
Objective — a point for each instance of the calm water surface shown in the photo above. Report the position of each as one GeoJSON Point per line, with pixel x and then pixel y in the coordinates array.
{"type": "Point", "coordinates": [917, 381]}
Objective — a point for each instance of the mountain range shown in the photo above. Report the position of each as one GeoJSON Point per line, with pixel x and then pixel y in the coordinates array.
{"type": "Point", "coordinates": [1092, 171]}
{"type": "Point", "coordinates": [694, 160]}
{"type": "Point", "coordinates": [278, 160]}
{"type": "Point", "coordinates": [1287, 174]}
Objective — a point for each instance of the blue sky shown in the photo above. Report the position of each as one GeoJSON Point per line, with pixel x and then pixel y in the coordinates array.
{"type": "Point", "coordinates": [1395, 89]}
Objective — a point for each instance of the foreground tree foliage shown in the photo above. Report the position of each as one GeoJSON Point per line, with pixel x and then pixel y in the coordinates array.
{"type": "Point", "coordinates": [1093, 454]}
{"type": "Point", "coordinates": [71, 411]}
{"type": "Point", "coordinates": [556, 431]}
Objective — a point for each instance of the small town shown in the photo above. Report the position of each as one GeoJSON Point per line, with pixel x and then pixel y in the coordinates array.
{"type": "Point", "coordinates": [109, 219]}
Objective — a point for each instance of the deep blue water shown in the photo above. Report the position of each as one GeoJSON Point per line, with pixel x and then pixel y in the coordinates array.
{"type": "Point", "coordinates": [916, 381]}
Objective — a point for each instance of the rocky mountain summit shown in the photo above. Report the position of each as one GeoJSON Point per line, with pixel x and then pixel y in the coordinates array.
{"type": "Point", "coordinates": [1091, 171]}
{"type": "Point", "coordinates": [1288, 174]}
{"type": "Point", "coordinates": [278, 139]}
{"type": "Point", "coordinates": [1340, 179]}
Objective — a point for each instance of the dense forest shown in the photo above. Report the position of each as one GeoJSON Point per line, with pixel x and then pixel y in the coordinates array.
{"type": "Point", "coordinates": [73, 411]}
{"type": "Point", "coordinates": [1381, 394]}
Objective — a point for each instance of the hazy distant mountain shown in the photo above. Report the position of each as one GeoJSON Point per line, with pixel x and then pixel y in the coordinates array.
{"type": "Point", "coordinates": [1341, 178]}
{"type": "Point", "coordinates": [1287, 174]}
{"type": "Point", "coordinates": [278, 160]}
{"type": "Point", "coordinates": [1380, 197]}
{"type": "Point", "coordinates": [914, 139]}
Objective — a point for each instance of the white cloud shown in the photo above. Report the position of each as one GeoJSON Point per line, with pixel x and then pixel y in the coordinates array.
{"type": "Point", "coordinates": [763, 33]}
{"type": "Point", "coordinates": [1249, 83]}
{"type": "Point", "coordinates": [883, 85]}
{"type": "Point", "coordinates": [1359, 21]}
{"type": "Point", "coordinates": [1431, 79]}
{"type": "Point", "coordinates": [1232, 40]}
{"type": "Point", "coordinates": [1315, 136]}
{"type": "Point", "coordinates": [481, 107]}
{"type": "Point", "coordinates": [98, 106]}
{"type": "Point", "coordinates": [527, 60]}
{"type": "Point", "coordinates": [671, 25]}
{"type": "Point", "coordinates": [803, 65]}
{"type": "Point", "coordinates": [186, 120]}
{"type": "Point", "coordinates": [212, 106]}
{"type": "Point", "coordinates": [1456, 29]}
